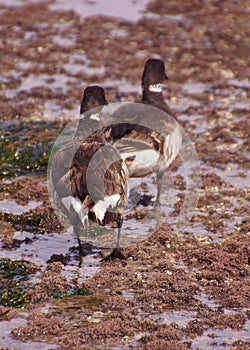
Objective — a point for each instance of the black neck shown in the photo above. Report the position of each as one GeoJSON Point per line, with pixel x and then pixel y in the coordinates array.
{"type": "Point", "coordinates": [155, 99]}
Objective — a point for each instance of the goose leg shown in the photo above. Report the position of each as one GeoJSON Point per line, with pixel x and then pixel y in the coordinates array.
{"type": "Point", "coordinates": [116, 253]}
{"type": "Point", "coordinates": [77, 233]}
{"type": "Point", "coordinates": [159, 177]}
{"type": "Point", "coordinates": [77, 225]}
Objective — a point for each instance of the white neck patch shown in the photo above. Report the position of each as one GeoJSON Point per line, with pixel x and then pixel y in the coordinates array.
{"type": "Point", "coordinates": [95, 116]}
{"type": "Point", "coordinates": [155, 88]}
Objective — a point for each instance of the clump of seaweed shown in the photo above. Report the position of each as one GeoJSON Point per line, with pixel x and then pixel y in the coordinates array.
{"type": "Point", "coordinates": [23, 155]}
{"type": "Point", "coordinates": [33, 221]}
{"type": "Point", "coordinates": [40, 325]}
{"type": "Point", "coordinates": [54, 286]}
{"type": "Point", "coordinates": [29, 219]}
{"type": "Point", "coordinates": [16, 289]}
{"type": "Point", "coordinates": [14, 281]}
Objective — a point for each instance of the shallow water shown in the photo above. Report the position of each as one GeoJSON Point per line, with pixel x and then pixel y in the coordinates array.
{"type": "Point", "coordinates": [10, 206]}
{"type": "Point", "coordinates": [220, 338]}
{"type": "Point", "coordinates": [58, 81]}
{"type": "Point", "coordinates": [179, 317]}
{"type": "Point", "coordinates": [122, 85]}
{"type": "Point", "coordinates": [130, 10]}
{"type": "Point", "coordinates": [234, 175]}
{"type": "Point", "coordinates": [7, 342]}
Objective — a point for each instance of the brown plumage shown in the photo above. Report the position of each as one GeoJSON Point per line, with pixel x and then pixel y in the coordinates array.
{"type": "Point", "coordinates": [89, 178]}
{"type": "Point", "coordinates": [99, 178]}
{"type": "Point", "coordinates": [93, 100]}
{"type": "Point", "coordinates": [150, 139]}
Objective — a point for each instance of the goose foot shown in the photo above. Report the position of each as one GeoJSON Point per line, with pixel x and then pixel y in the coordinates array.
{"type": "Point", "coordinates": [115, 254]}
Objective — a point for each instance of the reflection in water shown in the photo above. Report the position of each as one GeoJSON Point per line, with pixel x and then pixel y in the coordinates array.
{"type": "Point", "coordinates": [8, 342]}
{"type": "Point", "coordinates": [220, 338]}
{"type": "Point", "coordinates": [11, 206]}
{"type": "Point", "coordinates": [131, 10]}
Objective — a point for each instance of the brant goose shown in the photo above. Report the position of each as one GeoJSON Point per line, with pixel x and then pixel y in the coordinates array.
{"type": "Point", "coordinates": [99, 184]}
{"type": "Point", "coordinates": [148, 138]}
{"type": "Point", "coordinates": [93, 99]}
{"type": "Point", "coordinates": [153, 76]}
{"type": "Point", "coordinates": [92, 181]}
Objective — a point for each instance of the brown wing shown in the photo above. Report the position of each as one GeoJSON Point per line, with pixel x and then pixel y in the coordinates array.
{"type": "Point", "coordinates": [78, 173]}
{"type": "Point", "coordinates": [97, 172]}
{"type": "Point", "coordinates": [61, 163]}
{"type": "Point", "coordinates": [88, 168]}
{"type": "Point", "coordinates": [140, 122]}
{"type": "Point", "coordinates": [106, 175]}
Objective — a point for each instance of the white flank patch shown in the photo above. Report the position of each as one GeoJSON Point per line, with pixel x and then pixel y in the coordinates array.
{"type": "Point", "coordinates": [112, 201]}
{"type": "Point", "coordinates": [85, 220]}
{"type": "Point", "coordinates": [155, 88]}
{"type": "Point", "coordinates": [95, 116]}
{"type": "Point", "coordinates": [101, 207]}
{"type": "Point", "coordinates": [175, 140]}
{"type": "Point", "coordinates": [144, 162]}
{"type": "Point", "coordinates": [172, 146]}
{"type": "Point", "coordinates": [66, 201]}
{"type": "Point", "coordinates": [77, 206]}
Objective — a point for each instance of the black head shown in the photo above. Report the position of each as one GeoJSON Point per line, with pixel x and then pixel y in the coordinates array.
{"type": "Point", "coordinates": [154, 73]}
{"type": "Point", "coordinates": [93, 96]}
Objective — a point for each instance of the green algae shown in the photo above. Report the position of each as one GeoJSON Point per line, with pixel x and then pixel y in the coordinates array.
{"type": "Point", "coordinates": [16, 269]}
{"type": "Point", "coordinates": [29, 221]}
{"type": "Point", "coordinates": [71, 303]}
{"type": "Point", "coordinates": [16, 285]}
{"type": "Point", "coordinates": [22, 155]}
{"type": "Point", "coordinates": [25, 146]}
{"type": "Point", "coordinates": [75, 291]}
{"type": "Point", "coordinates": [37, 222]}
{"type": "Point", "coordinates": [11, 188]}
{"type": "Point", "coordinates": [14, 277]}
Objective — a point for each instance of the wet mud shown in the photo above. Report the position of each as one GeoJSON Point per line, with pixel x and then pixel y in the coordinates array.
{"type": "Point", "coordinates": [178, 289]}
